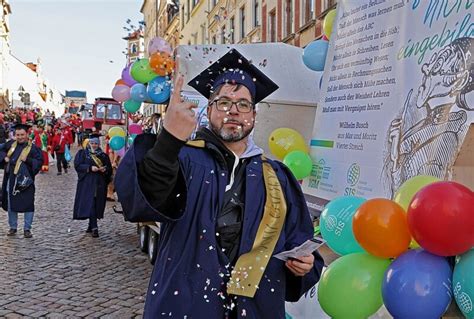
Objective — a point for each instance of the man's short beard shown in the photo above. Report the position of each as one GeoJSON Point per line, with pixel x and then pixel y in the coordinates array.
{"type": "Point", "coordinates": [230, 136]}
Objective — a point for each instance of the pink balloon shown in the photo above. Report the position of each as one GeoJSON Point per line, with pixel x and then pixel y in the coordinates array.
{"type": "Point", "coordinates": [158, 44]}
{"type": "Point", "coordinates": [121, 93]}
{"type": "Point", "coordinates": [135, 128]}
{"type": "Point", "coordinates": [120, 152]}
{"type": "Point", "coordinates": [127, 77]}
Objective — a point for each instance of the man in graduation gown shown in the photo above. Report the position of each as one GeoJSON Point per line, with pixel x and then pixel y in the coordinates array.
{"type": "Point", "coordinates": [21, 160]}
{"type": "Point", "coordinates": [225, 209]}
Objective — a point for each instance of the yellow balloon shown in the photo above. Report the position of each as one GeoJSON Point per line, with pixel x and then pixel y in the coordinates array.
{"type": "Point", "coordinates": [407, 191]}
{"type": "Point", "coordinates": [285, 140]}
{"type": "Point", "coordinates": [410, 187]}
{"type": "Point", "coordinates": [116, 131]}
{"type": "Point", "coordinates": [329, 22]}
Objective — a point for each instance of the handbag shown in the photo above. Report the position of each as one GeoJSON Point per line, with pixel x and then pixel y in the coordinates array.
{"type": "Point", "coordinates": [23, 179]}
{"type": "Point", "coordinates": [67, 154]}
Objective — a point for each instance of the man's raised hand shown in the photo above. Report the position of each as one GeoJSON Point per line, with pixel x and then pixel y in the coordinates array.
{"type": "Point", "coordinates": [180, 120]}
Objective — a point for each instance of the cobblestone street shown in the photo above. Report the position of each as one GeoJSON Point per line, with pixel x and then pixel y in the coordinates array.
{"type": "Point", "coordinates": [64, 272]}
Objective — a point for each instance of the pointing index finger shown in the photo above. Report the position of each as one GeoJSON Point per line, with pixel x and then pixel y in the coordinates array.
{"type": "Point", "coordinates": [178, 85]}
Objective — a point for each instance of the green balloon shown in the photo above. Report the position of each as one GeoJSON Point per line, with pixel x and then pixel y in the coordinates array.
{"type": "Point", "coordinates": [351, 287]}
{"type": "Point", "coordinates": [131, 106]}
{"type": "Point", "coordinates": [299, 163]}
{"type": "Point", "coordinates": [141, 71]}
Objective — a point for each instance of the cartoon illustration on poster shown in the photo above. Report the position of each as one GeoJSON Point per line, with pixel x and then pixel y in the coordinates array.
{"type": "Point", "coordinates": [425, 137]}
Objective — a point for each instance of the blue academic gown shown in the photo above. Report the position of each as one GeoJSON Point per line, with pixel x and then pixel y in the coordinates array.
{"type": "Point", "coordinates": [23, 201]}
{"type": "Point", "coordinates": [91, 191]}
{"type": "Point", "coordinates": [190, 273]}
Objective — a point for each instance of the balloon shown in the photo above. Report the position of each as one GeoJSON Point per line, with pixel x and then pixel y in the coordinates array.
{"type": "Point", "coordinates": [138, 92]}
{"type": "Point", "coordinates": [131, 106]}
{"type": "Point", "coordinates": [121, 152]}
{"type": "Point", "coordinates": [135, 128]}
{"type": "Point", "coordinates": [121, 93]}
{"type": "Point", "coordinates": [159, 89]}
{"type": "Point", "coordinates": [131, 139]}
{"type": "Point", "coordinates": [336, 224]}
{"type": "Point", "coordinates": [116, 131]}
{"type": "Point", "coordinates": [329, 22]}
{"type": "Point", "coordinates": [314, 55]}
{"type": "Point", "coordinates": [285, 140]}
{"type": "Point", "coordinates": [158, 44]}
{"type": "Point", "coordinates": [120, 82]}
{"type": "Point", "coordinates": [409, 188]}
{"type": "Point", "coordinates": [351, 286]}
{"type": "Point", "coordinates": [324, 37]}
{"type": "Point", "coordinates": [417, 285]}
{"type": "Point", "coordinates": [127, 77]}
{"type": "Point", "coordinates": [141, 71]}
{"type": "Point", "coordinates": [116, 143]}
{"type": "Point", "coordinates": [161, 63]}
{"type": "Point", "coordinates": [441, 218]}
{"type": "Point", "coordinates": [380, 227]}
{"type": "Point", "coordinates": [463, 283]}
{"type": "Point", "coordinates": [299, 163]}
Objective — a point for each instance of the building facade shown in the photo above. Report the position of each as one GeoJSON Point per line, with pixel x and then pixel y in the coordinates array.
{"type": "Point", "coordinates": [4, 54]}
{"type": "Point", "coordinates": [135, 46]}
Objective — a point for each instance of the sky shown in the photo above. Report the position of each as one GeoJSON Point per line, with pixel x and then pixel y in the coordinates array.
{"type": "Point", "coordinates": [74, 39]}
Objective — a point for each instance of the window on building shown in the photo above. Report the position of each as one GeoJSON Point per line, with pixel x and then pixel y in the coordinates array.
{"type": "Point", "coordinates": [182, 17]}
{"type": "Point", "coordinates": [256, 16]}
{"type": "Point", "coordinates": [327, 4]}
{"type": "Point", "coordinates": [307, 11]}
{"type": "Point", "coordinates": [188, 12]}
{"type": "Point", "coordinates": [195, 2]}
{"type": "Point", "coordinates": [214, 39]}
{"type": "Point", "coordinates": [172, 10]}
{"type": "Point", "coordinates": [242, 22]}
{"type": "Point", "coordinates": [232, 27]}
{"type": "Point", "coordinates": [203, 33]}
{"type": "Point", "coordinates": [223, 35]}
{"type": "Point", "coordinates": [133, 48]}
{"type": "Point", "coordinates": [272, 26]}
{"type": "Point", "coordinates": [288, 18]}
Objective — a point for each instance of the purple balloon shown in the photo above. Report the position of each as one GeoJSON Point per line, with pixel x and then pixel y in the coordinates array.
{"type": "Point", "coordinates": [121, 93]}
{"type": "Point", "coordinates": [158, 44]}
{"type": "Point", "coordinates": [121, 152]}
{"type": "Point", "coordinates": [127, 77]}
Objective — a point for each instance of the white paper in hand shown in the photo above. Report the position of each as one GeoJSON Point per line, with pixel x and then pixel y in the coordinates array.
{"type": "Point", "coordinates": [304, 249]}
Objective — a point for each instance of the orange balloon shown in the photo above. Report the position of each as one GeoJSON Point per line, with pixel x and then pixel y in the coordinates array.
{"type": "Point", "coordinates": [120, 82]}
{"type": "Point", "coordinates": [380, 226]}
{"type": "Point", "coordinates": [161, 63]}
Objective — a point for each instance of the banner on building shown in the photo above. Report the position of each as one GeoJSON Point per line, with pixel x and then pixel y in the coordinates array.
{"type": "Point", "coordinates": [396, 99]}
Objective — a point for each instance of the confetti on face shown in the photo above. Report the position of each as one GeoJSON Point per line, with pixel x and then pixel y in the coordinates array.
{"type": "Point", "coordinates": [176, 293]}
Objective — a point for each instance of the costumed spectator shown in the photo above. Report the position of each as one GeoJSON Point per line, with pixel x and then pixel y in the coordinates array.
{"type": "Point", "coordinates": [60, 140]}
{"type": "Point", "coordinates": [3, 133]}
{"type": "Point", "coordinates": [225, 208]}
{"type": "Point", "coordinates": [94, 171]}
{"type": "Point", "coordinates": [21, 160]}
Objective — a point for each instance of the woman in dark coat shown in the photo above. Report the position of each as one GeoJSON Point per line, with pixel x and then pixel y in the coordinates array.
{"type": "Point", "coordinates": [94, 172]}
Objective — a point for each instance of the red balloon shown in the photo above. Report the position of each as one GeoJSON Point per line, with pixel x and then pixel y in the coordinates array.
{"type": "Point", "coordinates": [441, 218]}
{"type": "Point", "coordinates": [324, 37]}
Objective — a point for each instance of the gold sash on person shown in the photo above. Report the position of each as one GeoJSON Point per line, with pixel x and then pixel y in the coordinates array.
{"type": "Point", "coordinates": [24, 154]}
{"type": "Point", "coordinates": [249, 269]}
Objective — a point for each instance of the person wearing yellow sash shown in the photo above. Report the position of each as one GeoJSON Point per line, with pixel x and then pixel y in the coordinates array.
{"type": "Point", "coordinates": [22, 161]}
{"type": "Point", "coordinates": [225, 208]}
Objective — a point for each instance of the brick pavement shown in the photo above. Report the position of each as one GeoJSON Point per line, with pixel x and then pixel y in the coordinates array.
{"type": "Point", "coordinates": [64, 272]}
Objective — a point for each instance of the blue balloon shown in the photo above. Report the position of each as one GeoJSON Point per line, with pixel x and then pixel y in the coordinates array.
{"type": "Point", "coordinates": [138, 92]}
{"type": "Point", "coordinates": [336, 224]}
{"type": "Point", "coordinates": [463, 283]}
{"type": "Point", "coordinates": [159, 89]}
{"type": "Point", "coordinates": [417, 285]}
{"type": "Point", "coordinates": [314, 55]}
{"type": "Point", "coordinates": [117, 143]}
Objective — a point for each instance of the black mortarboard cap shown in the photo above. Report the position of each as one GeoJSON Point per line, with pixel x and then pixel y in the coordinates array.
{"type": "Point", "coordinates": [21, 126]}
{"type": "Point", "coordinates": [94, 135]}
{"type": "Point", "coordinates": [233, 67]}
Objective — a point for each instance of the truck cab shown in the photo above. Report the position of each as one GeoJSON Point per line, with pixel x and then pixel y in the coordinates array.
{"type": "Point", "coordinates": [103, 114]}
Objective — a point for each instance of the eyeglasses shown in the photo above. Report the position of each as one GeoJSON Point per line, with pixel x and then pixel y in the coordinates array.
{"type": "Point", "coordinates": [225, 105]}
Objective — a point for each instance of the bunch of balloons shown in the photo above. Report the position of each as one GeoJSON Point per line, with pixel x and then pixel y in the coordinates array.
{"type": "Point", "coordinates": [147, 79]}
{"type": "Point", "coordinates": [288, 145]}
{"type": "Point", "coordinates": [419, 282]}
{"type": "Point", "coordinates": [117, 138]}
{"type": "Point", "coordinates": [314, 54]}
